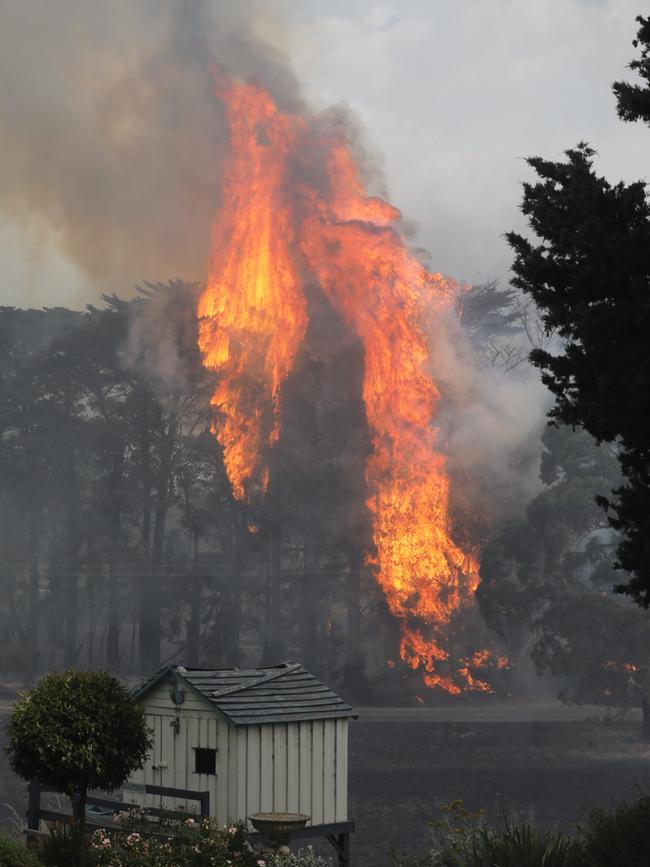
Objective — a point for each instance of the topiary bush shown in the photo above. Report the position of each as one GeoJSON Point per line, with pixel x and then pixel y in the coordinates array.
{"type": "Point", "coordinates": [14, 853]}
{"type": "Point", "coordinates": [76, 731]}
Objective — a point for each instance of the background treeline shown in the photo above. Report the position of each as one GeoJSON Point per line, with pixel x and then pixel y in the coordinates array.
{"type": "Point", "coordinates": [121, 545]}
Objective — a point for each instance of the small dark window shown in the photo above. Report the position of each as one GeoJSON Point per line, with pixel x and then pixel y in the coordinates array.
{"type": "Point", "coordinates": [205, 761]}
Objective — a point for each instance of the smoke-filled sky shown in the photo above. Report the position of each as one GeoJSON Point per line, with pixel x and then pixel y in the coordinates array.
{"type": "Point", "coordinates": [111, 140]}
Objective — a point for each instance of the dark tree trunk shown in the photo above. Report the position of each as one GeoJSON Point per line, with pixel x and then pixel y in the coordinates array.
{"type": "Point", "coordinates": [193, 639]}
{"type": "Point", "coordinates": [113, 624]}
{"type": "Point", "coordinates": [273, 643]}
{"type": "Point", "coordinates": [308, 631]}
{"type": "Point", "coordinates": [71, 577]}
{"type": "Point", "coordinates": [33, 604]}
{"type": "Point", "coordinates": [70, 644]}
{"type": "Point", "coordinates": [232, 586]}
{"type": "Point", "coordinates": [146, 480]}
{"type": "Point", "coordinates": [353, 656]}
{"type": "Point", "coordinates": [144, 439]}
{"type": "Point", "coordinates": [151, 601]}
{"type": "Point", "coordinates": [79, 815]}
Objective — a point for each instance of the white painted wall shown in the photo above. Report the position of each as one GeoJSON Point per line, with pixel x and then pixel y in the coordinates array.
{"type": "Point", "coordinates": [281, 767]}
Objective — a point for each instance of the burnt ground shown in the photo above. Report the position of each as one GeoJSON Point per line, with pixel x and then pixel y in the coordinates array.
{"type": "Point", "coordinates": [403, 769]}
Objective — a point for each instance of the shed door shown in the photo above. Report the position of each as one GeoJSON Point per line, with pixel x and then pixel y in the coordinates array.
{"type": "Point", "coordinates": [160, 766]}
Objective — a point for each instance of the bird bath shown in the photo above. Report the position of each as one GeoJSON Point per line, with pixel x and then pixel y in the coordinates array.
{"type": "Point", "coordinates": [278, 826]}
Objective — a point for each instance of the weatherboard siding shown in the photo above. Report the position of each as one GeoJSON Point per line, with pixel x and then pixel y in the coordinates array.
{"type": "Point", "coordinates": [293, 766]}
{"type": "Point", "coordinates": [341, 790]}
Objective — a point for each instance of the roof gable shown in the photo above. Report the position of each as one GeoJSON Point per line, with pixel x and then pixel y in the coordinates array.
{"type": "Point", "coordinates": [283, 693]}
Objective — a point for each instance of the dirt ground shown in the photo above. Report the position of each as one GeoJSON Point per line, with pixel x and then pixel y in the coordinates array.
{"type": "Point", "coordinates": [402, 770]}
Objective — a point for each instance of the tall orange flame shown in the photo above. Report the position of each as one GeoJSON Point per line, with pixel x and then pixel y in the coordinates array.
{"type": "Point", "coordinates": [252, 314]}
{"type": "Point", "coordinates": [293, 201]}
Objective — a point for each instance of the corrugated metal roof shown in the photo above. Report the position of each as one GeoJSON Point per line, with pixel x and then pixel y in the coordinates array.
{"type": "Point", "coordinates": [283, 693]}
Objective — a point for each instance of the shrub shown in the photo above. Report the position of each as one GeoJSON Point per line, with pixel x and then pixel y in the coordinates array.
{"type": "Point", "coordinates": [619, 837]}
{"type": "Point", "coordinates": [13, 853]}
{"type": "Point", "coordinates": [62, 846]}
{"type": "Point", "coordinates": [76, 731]}
{"type": "Point", "coordinates": [302, 858]}
{"type": "Point", "coordinates": [518, 846]}
{"type": "Point", "coordinates": [460, 839]}
{"type": "Point", "coordinates": [167, 843]}
{"type": "Point", "coordinates": [453, 835]}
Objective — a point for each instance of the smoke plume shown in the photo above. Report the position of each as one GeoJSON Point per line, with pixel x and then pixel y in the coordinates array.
{"type": "Point", "coordinates": [110, 132]}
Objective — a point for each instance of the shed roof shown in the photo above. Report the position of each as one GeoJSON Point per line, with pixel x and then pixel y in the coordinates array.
{"type": "Point", "coordinates": [282, 693]}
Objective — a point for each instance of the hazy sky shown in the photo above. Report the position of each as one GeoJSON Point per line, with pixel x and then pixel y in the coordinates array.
{"type": "Point", "coordinates": [452, 94]}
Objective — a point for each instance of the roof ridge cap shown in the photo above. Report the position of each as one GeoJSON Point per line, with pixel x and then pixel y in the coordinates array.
{"type": "Point", "coordinates": [278, 671]}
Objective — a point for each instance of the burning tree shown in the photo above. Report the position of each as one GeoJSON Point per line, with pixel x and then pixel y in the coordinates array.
{"type": "Point", "coordinates": [294, 206]}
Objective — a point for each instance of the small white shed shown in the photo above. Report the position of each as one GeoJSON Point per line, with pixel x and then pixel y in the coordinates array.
{"type": "Point", "coordinates": [259, 740]}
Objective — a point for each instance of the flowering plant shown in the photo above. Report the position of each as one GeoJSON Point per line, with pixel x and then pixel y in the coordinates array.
{"type": "Point", "coordinates": [141, 842]}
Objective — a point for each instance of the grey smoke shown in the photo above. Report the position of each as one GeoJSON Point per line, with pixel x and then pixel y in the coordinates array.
{"type": "Point", "coordinates": [112, 142]}
{"type": "Point", "coordinates": [490, 420]}
{"type": "Point", "coordinates": [110, 134]}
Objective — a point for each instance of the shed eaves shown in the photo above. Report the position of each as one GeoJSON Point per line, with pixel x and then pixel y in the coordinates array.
{"type": "Point", "coordinates": [284, 693]}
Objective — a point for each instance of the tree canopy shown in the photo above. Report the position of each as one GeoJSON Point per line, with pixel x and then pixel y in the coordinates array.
{"type": "Point", "coordinates": [77, 730]}
{"type": "Point", "coordinates": [588, 270]}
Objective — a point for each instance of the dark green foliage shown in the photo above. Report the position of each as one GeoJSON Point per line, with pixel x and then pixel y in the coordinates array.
{"type": "Point", "coordinates": [590, 276]}
{"type": "Point", "coordinates": [547, 574]}
{"type": "Point", "coordinates": [619, 837]}
{"type": "Point", "coordinates": [589, 273]}
{"type": "Point", "coordinates": [634, 100]}
{"type": "Point", "coordinates": [61, 847]}
{"type": "Point", "coordinates": [77, 730]}
{"type": "Point", "coordinates": [14, 853]}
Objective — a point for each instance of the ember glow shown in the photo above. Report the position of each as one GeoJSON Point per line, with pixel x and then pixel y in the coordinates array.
{"type": "Point", "coordinates": [293, 209]}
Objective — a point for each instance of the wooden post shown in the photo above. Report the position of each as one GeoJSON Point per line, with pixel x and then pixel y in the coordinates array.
{"type": "Point", "coordinates": [341, 844]}
{"type": "Point", "coordinates": [33, 804]}
{"type": "Point", "coordinates": [344, 853]}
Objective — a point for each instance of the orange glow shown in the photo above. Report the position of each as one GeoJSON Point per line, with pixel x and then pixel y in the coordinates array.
{"type": "Point", "coordinates": [294, 207]}
{"type": "Point", "coordinates": [613, 665]}
{"type": "Point", "coordinates": [252, 314]}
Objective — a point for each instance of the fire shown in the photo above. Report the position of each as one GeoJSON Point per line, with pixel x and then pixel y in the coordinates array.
{"type": "Point", "coordinates": [614, 665]}
{"type": "Point", "coordinates": [294, 205]}
{"type": "Point", "coordinates": [252, 314]}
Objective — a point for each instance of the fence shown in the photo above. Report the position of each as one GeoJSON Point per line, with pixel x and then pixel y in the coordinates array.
{"type": "Point", "coordinates": [36, 813]}
{"type": "Point", "coordinates": [337, 834]}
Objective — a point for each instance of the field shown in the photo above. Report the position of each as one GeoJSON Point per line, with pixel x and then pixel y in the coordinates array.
{"type": "Point", "coordinates": [404, 765]}
{"type": "Point", "coordinates": [402, 772]}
